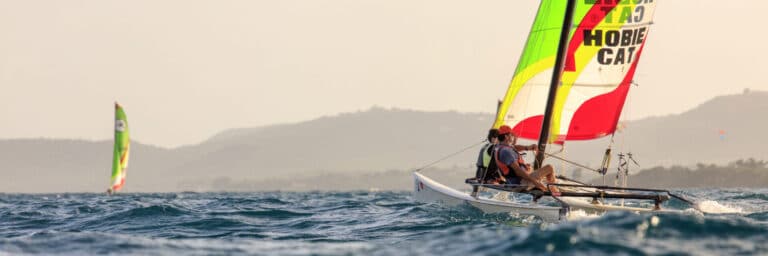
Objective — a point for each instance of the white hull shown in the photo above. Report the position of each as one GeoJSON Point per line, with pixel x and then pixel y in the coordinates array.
{"type": "Point", "coordinates": [580, 203]}
{"type": "Point", "coordinates": [429, 191]}
{"type": "Point", "coordinates": [586, 205]}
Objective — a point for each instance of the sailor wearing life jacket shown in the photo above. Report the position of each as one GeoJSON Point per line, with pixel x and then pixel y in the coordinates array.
{"type": "Point", "coordinates": [512, 166]}
{"type": "Point", "coordinates": [484, 157]}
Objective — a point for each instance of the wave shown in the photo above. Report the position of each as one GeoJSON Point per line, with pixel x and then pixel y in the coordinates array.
{"type": "Point", "coordinates": [714, 207]}
{"type": "Point", "coordinates": [362, 223]}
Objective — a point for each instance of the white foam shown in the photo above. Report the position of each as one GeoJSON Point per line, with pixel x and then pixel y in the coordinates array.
{"type": "Point", "coordinates": [582, 215]}
{"type": "Point", "coordinates": [710, 206]}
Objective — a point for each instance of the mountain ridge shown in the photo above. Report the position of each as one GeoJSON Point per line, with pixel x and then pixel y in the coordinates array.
{"type": "Point", "coordinates": [366, 142]}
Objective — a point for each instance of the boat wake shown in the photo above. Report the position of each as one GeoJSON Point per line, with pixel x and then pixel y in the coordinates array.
{"type": "Point", "coordinates": [714, 207]}
{"type": "Point", "coordinates": [579, 215]}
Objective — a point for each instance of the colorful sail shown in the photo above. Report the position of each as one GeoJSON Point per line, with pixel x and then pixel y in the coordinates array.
{"type": "Point", "coordinates": [603, 51]}
{"type": "Point", "coordinates": [121, 149]}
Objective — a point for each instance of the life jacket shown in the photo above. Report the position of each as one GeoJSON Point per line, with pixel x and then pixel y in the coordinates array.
{"type": "Point", "coordinates": [492, 171]}
{"type": "Point", "coordinates": [505, 169]}
{"type": "Point", "coordinates": [487, 149]}
{"type": "Point", "coordinates": [484, 163]}
{"type": "Point", "coordinates": [520, 159]}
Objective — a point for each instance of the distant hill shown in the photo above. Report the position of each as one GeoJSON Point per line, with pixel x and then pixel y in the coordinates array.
{"type": "Point", "coordinates": [358, 147]}
{"type": "Point", "coordinates": [373, 140]}
{"type": "Point", "coordinates": [741, 173]}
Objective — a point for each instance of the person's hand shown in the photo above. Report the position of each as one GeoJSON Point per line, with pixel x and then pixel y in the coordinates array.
{"type": "Point", "coordinates": [534, 148]}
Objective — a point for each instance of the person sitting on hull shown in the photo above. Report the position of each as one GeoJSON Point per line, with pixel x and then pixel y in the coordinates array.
{"type": "Point", "coordinates": [484, 160]}
{"type": "Point", "coordinates": [484, 157]}
{"type": "Point", "coordinates": [512, 166]}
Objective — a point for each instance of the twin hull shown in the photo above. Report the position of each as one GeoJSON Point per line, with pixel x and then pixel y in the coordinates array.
{"type": "Point", "coordinates": [427, 190]}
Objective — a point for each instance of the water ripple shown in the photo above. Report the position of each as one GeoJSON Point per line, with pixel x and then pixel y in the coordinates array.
{"type": "Point", "coordinates": [359, 223]}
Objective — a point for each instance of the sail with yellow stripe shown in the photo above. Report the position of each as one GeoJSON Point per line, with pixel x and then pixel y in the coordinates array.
{"type": "Point", "coordinates": [121, 150]}
{"type": "Point", "coordinates": [603, 50]}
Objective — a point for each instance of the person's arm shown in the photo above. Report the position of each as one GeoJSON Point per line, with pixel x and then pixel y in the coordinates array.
{"type": "Point", "coordinates": [523, 174]}
{"type": "Point", "coordinates": [531, 147]}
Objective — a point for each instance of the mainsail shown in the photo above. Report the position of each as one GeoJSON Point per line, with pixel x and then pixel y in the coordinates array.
{"type": "Point", "coordinates": [121, 149]}
{"type": "Point", "coordinates": [603, 49]}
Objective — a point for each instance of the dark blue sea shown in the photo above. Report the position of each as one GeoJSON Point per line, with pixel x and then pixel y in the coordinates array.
{"type": "Point", "coordinates": [360, 223]}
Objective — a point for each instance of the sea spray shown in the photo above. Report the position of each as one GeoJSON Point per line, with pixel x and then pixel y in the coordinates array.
{"type": "Point", "coordinates": [714, 207]}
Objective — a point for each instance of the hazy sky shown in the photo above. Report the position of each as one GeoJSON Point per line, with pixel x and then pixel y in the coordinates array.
{"type": "Point", "coordinates": [187, 69]}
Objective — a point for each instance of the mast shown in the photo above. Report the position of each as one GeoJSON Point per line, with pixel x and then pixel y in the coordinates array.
{"type": "Point", "coordinates": [562, 49]}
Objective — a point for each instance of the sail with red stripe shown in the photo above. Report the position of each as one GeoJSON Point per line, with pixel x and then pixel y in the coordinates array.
{"type": "Point", "coordinates": [604, 48]}
{"type": "Point", "coordinates": [121, 150]}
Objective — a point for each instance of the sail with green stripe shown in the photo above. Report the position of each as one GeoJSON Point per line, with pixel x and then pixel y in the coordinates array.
{"type": "Point", "coordinates": [121, 150]}
{"type": "Point", "coordinates": [603, 51]}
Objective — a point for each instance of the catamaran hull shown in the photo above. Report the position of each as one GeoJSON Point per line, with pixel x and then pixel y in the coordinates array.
{"type": "Point", "coordinates": [427, 190]}
{"type": "Point", "coordinates": [587, 206]}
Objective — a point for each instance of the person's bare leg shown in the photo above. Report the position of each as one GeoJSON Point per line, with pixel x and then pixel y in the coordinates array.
{"type": "Point", "coordinates": [541, 174]}
{"type": "Point", "coordinates": [548, 172]}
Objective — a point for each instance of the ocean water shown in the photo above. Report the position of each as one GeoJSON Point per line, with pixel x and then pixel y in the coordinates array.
{"type": "Point", "coordinates": [362, 223]}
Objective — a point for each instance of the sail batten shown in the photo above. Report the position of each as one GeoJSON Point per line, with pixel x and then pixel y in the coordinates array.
{"type": "Point", "coordinates": [604, 47]}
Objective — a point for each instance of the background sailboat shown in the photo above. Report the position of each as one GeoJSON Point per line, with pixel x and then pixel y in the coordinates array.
{"type": "Point", "coordinates": [121, 150]}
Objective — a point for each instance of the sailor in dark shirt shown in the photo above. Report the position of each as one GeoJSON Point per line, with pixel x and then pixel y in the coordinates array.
{"type": "Point", "coordinates": [513, 167]}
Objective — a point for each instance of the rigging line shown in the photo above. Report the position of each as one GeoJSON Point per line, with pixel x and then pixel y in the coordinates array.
{"type": "Point", "coordinates": [451, 155]}
{"type": "Point", "coordinates": [571, 162]}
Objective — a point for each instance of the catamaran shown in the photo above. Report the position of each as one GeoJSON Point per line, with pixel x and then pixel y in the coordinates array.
{"type": "Point", "coordinates": [120, 152]}
{"type": "Point", "coordinates": [570, 84]}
